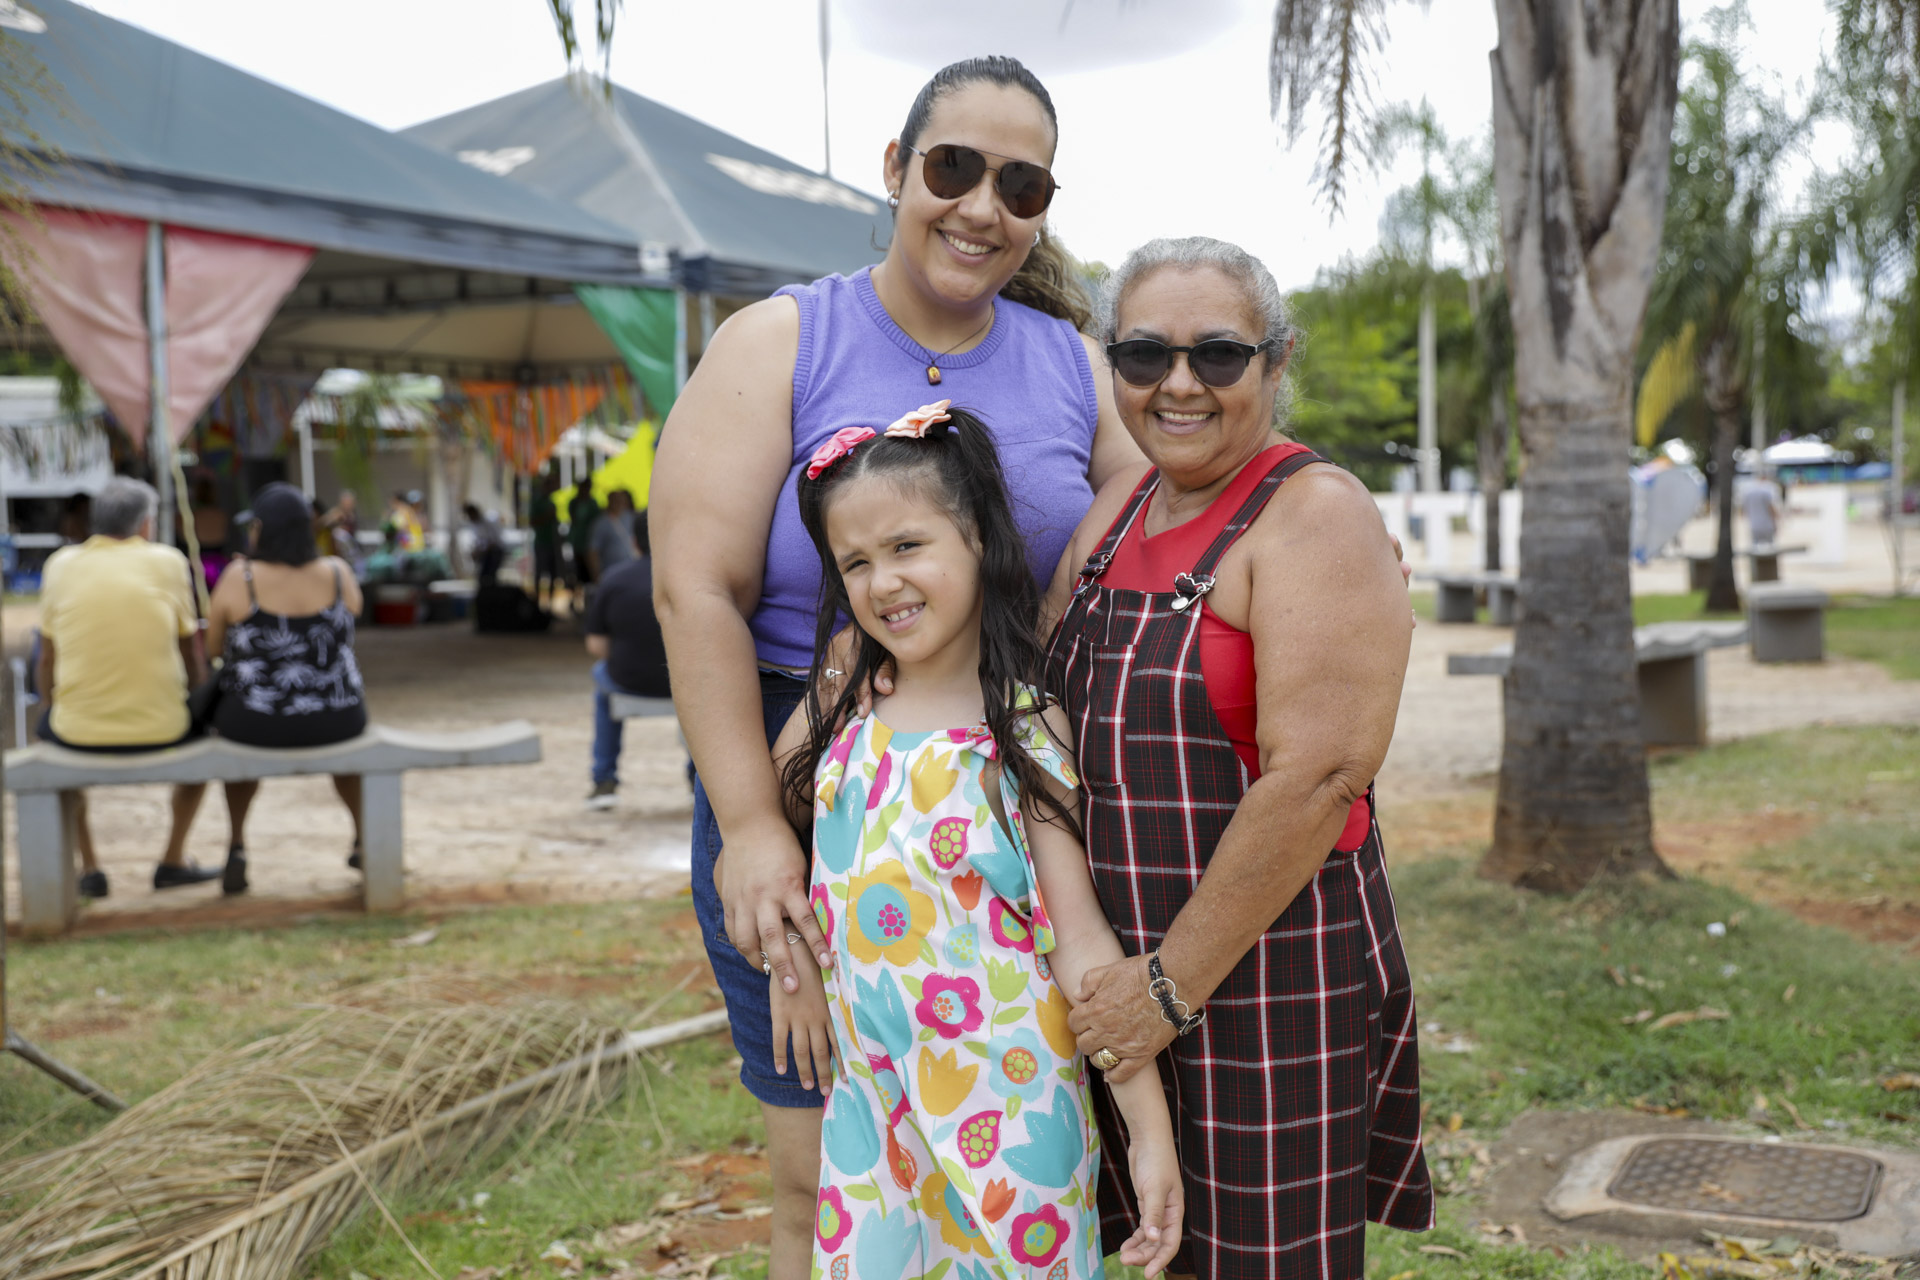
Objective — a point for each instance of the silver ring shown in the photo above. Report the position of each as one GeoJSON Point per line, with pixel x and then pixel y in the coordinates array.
{"type": "Point", "coordinates": [831, 674]}
{"type": "Point", "coordinates": [1106, 1059]}
{"type": "Point", "coordinates": [794, 939]}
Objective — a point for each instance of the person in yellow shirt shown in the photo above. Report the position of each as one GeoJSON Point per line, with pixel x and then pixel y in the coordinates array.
{"type": "Point", "coordinates": [119, 644]}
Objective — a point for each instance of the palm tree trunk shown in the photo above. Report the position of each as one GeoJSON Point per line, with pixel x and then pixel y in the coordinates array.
{"type": "Point", "coordinates": [1492, 449]}
{"type": "Point", "coordinates": [1573, 801]}
{"type": "Point", "coordinates": [1583, 98]}
{"type": "Point", "coordinates": [1722, 394]}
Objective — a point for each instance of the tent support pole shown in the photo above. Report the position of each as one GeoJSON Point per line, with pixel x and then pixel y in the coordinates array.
{"type": "Point", "coordinates": [159, 429]}
{"type": "Point", "coordinates": [305, 431]}
{"type": "Point", "coordinates": [706, 320]}
{"type": "Point", "coordinates": [680, 339]}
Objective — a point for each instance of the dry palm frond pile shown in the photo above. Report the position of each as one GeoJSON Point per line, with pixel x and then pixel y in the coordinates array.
{"type": "Point", "coordinates": [246, 1165]}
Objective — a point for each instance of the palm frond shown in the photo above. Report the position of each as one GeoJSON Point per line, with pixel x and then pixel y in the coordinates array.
{"type": "Point", "coordinates": [605, 13]}
{"type": "Point", "coordinates": [246, 1165]}
{"type": "Point", "coordinates": [1668, 383]}
{"type": "Point", "coordinates": [1322, 57]}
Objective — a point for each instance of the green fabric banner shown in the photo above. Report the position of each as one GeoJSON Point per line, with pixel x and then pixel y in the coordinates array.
{"type": "Point", "coordinates": [642, 323]}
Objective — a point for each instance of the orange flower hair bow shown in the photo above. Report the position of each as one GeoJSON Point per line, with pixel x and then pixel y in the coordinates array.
{"type": "Point", "coordinates": [911, 426]}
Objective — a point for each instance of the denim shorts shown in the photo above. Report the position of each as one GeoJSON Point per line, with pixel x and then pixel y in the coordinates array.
{"type": "Point", "coordinates": [741, 982]}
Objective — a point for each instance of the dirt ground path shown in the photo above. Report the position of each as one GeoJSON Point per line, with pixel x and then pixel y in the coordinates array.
{"type": "Point", "coordinates": [523, 834]}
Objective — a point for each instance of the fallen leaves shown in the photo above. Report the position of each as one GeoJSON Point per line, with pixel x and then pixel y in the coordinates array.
{"type": "Point", "coordinates": [1681, 1017]}
{"type": "Point", "coordinates": [1900, 1081]}
{"type": "Point", "coordinates": [419, 939]}
{"type": "Point", "coordinates": [1775, 1259]}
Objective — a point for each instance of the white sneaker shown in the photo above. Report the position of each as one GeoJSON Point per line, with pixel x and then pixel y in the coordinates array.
{"type": "Point", "coordinates": [602, 796]}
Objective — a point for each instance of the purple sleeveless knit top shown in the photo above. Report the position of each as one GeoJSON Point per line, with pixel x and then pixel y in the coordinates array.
{"type": "Point", "coordinates": [1028, 380]}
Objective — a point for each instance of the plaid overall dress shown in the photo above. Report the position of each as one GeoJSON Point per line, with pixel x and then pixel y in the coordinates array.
{"type": "Point", "coordinates": [1296, 1106]}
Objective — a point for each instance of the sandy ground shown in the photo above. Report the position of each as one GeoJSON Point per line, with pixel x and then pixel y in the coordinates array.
{"type": "Point", "coordinates": [522, 832]}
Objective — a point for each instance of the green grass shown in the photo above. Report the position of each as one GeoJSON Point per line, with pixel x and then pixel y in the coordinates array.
{"type": "Point", "coordinates": [1877, 630]}
{"type": "Point", "coordinates": [1525, 984]}
{"type": "Point", "coordinates": [135, 1010]}
{"type": "Point", "coordinates": [1846, 802]}
{"type": "Point", "coordinates": [1689, 607]}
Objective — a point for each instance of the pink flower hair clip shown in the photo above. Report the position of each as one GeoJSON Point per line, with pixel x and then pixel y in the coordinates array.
{"type": "Point", "coordinates": [838, 446]}
{"type": "Point", "coordinates": [913, 426]}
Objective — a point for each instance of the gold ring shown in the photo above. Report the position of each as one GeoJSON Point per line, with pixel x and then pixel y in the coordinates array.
{"type": "Point", "coordinates": [1106, 1059]}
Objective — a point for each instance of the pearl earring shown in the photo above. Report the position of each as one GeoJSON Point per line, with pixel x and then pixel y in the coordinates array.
{"type": "Point", "coordinates": [893, 200]}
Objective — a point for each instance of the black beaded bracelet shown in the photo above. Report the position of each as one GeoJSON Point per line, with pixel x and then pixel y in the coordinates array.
{"type": "Point", "coordinates": [1173, 1009]}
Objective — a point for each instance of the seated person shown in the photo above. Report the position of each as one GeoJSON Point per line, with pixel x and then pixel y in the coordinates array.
{"type": "Point", "coordinates": [119, 644]}
{"type": "Point", "coordinates": [624, 636]}
{"type": "Point", "coordinates": [283, 621]}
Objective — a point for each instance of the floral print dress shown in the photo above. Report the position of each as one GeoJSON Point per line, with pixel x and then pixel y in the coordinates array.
{"type": "Point", "coordinates": [958, 1141]}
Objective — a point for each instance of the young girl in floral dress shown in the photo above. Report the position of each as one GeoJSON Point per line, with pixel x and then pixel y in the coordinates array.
{"type": "Point", "coordinates": [949, 878]}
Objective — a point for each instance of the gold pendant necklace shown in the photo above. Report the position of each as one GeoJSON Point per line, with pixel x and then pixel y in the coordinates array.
{"type": "Point", "coordinates": [933, 361]}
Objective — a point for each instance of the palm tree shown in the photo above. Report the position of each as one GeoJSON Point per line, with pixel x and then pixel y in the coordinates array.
{"type": "Point", "coordinates": [1861, 219]}
{"type": "Point", "coordinates": [1583, 94]}
{"type": "Point", "coordinates": [1464, 201]}
{"type": "Point", "coordinates": [1709, 305]}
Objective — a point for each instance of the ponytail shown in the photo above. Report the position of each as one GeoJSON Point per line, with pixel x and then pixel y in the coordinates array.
{"type": "Point", "coordinates": [1050, 281]}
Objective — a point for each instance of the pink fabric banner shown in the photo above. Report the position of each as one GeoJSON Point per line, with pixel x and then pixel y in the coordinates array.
{"type": "Point", "coordinates": [85, 274]}
{"type": "Point", "coordinates": [221, 292]}
{"type": "Point", "coordinates": [82, 272]}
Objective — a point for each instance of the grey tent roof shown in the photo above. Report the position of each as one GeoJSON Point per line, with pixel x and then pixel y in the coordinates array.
{"type": "Point", "coordinates": [742, 221]}
{"type": "Point", "coordinates": [150, 129]}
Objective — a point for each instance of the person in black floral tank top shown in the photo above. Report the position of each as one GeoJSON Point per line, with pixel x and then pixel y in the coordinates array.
{"type": "Point", "coordinates": [282, 619]}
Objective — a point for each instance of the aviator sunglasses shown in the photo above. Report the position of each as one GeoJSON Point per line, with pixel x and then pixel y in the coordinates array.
{"type": "Point", "coordinates": [1217, 362]}
{"type": "Point", "coordinates": [951, 171]}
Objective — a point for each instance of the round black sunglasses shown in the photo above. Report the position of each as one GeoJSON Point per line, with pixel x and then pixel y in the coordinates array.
{"type": "Point", "coordinates": [1217, 362]}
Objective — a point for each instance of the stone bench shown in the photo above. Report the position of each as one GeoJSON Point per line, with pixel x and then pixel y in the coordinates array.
{"type": "Point", "coordinates": [37, 775]}
{"type": "Point", "coordinates": [1672, 663]}
{"type": "Point", "coordinates": [1788, 622]}
{"type": "Point", "coordinates": [631, 706]}
{"type": "Point", "coordinates": [1456, 592]}
{"type": "Point", "coordinates": [1765, 560]}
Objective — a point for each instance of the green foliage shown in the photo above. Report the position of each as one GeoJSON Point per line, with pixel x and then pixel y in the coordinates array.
{"type": "Point", "coordinates": [1357, 374]}
{"type": "Point", "coordinates": [1719, 271]}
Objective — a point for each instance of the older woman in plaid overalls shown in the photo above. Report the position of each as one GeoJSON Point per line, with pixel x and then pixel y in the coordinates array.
{"type": "Point", "coordinates": [1232, 639]}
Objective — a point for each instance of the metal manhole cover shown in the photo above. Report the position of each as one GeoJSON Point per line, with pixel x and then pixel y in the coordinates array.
{"type": "Point", "coordinates": [1748, 1179]}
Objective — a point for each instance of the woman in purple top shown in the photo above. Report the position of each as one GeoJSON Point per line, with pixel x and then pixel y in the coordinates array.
{"type": "Point", "coordinates": [973, 303]}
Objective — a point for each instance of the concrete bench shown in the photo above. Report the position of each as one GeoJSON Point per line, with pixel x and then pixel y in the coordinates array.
{"type": "Point", "coordinates": [1672, 664]}
{"type": "Point", "coordinates": [1788, 622]}
{"type": "Point", "coordinates": [1764, 558]}
{"type": "Point", "coordinates": [39, 773]}
{"type": "Point", "coordinates": [1456, 594]}
{"type": "Point", "coordinates": [631, 706]}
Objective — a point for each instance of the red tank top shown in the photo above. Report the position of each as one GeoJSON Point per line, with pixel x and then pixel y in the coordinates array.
{"type": "Point", "coordinates": [1142, 563]}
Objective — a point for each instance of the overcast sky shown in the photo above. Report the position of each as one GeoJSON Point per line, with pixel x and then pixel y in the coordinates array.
{"type": "Point", "coordinates": [1173, 140]}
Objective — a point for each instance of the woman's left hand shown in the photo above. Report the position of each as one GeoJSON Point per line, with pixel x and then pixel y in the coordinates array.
{"type": "Point", "coordinates": [1115, 1012]}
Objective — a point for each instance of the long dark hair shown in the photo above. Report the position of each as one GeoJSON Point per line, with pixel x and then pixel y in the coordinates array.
{"type": "Point", "coordinates": [1049, 280]}
{"type": "Point", "coordinates": [283, 526]}
{"type": "Point", "coordinates": [955, 466]}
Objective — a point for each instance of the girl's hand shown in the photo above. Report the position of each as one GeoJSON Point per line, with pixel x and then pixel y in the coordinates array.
{"type": "Point", "coordinates": [803, 1015]}
{"type": "Point", "coordinates": [1155, 1168]}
